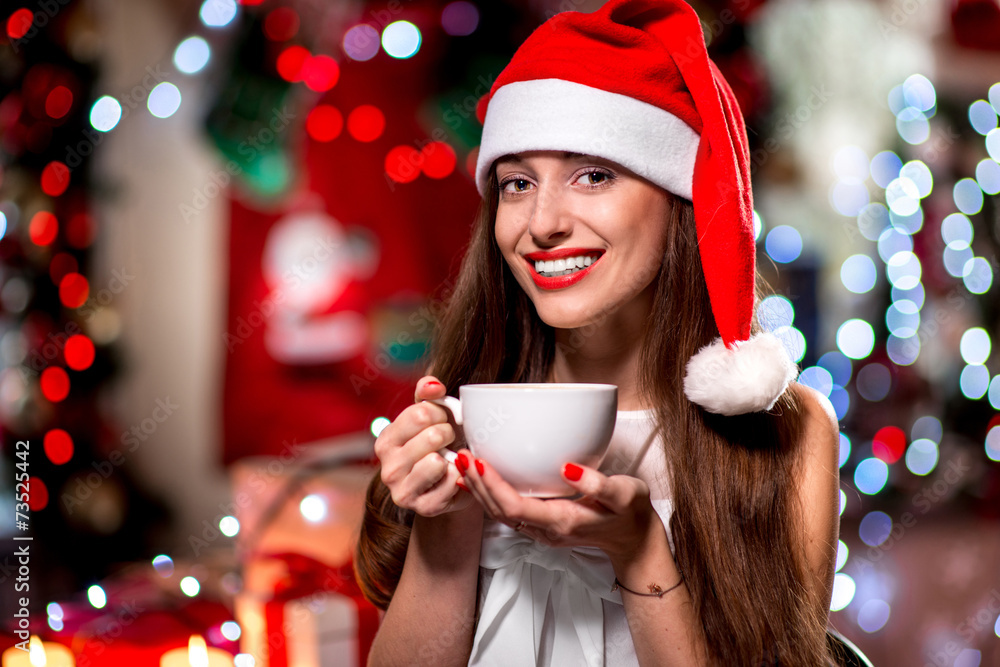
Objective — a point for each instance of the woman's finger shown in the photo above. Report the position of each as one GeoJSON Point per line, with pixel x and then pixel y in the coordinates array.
{"type": "Point", "coordinates": [615, 493]}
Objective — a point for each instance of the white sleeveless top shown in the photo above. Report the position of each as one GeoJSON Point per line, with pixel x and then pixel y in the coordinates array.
{"type": "Point", "coordinates": [548, 606]}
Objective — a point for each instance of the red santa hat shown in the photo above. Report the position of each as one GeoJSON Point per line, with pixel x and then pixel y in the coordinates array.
{"type": "Point", "coordinates": [633, 83]}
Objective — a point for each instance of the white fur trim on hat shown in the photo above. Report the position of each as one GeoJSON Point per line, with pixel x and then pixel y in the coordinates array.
{"type": "Point", "coordinates": [749, 378]}
{"type": "Point", "coordinates": [554, 114]}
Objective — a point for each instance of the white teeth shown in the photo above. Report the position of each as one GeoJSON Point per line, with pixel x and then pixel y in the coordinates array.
{"type": "Point", "coordinates": [561, 267]}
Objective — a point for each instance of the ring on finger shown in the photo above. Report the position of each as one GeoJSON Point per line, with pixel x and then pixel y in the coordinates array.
{"type": "Point", "coordinates": [520, 526]}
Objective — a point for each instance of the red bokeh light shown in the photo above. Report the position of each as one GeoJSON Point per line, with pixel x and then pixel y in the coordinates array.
{"type": "Point", "coordinates": [58, 446]}
{"type": "Point", "coordinates": [401, 164]}
{"type": "Point", "coordinates": [43, 228]}
{"type": "Point", "coordinates": [366, 123]}
{"type": "Point", "coordinates": [324, 123]}
{"type": "Point", "coordinates": [889, 443]}
{"type": "Point", "coordinates": [320, 73]}
{"type": "Point", "coordinates": [291, 62]}
{"type": "Point", "coordinates": [61, 264]}
{"type": "Point", "coordinates": [55, 178]}
{"type": "Point", "coordinates": [438, 159]}
{"type": "Point", "coordinates": [73, 290]}
{"type": "Point", "coordinates": [54, 382]}
{"type": "Point", "coordinates": [281, 24]}
{"type": "Point", "coordinates": [19, 23]}
{"type": "Point", "coordinates": [58, 102]}
{"type": "Point", "coordinates": [79, 352]}
{"type": "Point", "coordinates": [38, 494]}
{"type": "Point", "coordinates": [80, 230]}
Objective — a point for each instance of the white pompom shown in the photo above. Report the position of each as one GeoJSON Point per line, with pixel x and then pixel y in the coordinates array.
{"type": "Point", "coordinates": [749, 378]}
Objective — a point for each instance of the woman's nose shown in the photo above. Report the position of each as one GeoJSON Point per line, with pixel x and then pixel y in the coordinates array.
{"type": "Point", "coordinates": [551, 218]}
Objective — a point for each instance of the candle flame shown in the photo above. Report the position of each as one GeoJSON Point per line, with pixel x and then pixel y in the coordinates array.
{"type": "Point", "coordinates": [197, 651]}
{"type": "Point", "coordinates": [36, 652]}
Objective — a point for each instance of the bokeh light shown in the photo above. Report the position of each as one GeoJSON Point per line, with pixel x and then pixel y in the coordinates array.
{"type": "Point", "coordinates": [873, 615]}
{"type": "Point", "coordinates": [974, 382]}
{"type": "Point", "coordinates": [912, 126]}
{"type": "Point", "coordinates": [968, 196]}
{"type": "Point", "coordinates": [401, 164]}
{"type": "Point", "coordinates": [79, 352]}
{"type": "Point", "coordinates": [928, 427]}
{"type": "Point", "coordinates": [164, 565]}
{"type": "Point", "coordinates": [993, 144]}
{"type": "Point", "coordinates": [902, 318]}
{"type": "Point", "coordinates": [361, 42]}
{"type": "Point", "coordinates": [892, 241]}
{"type": "Point", "coordinates": [843, 591]}
{"type": "Point", "coordinates": [320, 73]}
{"type": "Point", "coordinates": [460, 18]}
{"type": "Point", "coordinates": [401, 39]}
{"type": "Point", "coordinates": [873, 220]}
{"type": "Point", "coordinates": [903, 270]}
{"type": "Point", "coordinates": [313, 508]}
{"type": "Point", "coordinates": [231, 630]}
{"type": "Point", "coordinates": [858, 274]}
{"type": "Point", "coordinates": [885, 167]}
{"type": "Point", "coordinates": [982, 117]}
{"type": "Point", "coordinates": [366, 123]}
{"type": "Point", "coordinates": [874, 528]}
{"type": "Point", "coordinates": [845, 450]}
{"type": "Point", "coordinates": [324, 123]}
{"type": "Point", "coordinates": [192, 55]}
{"type": "Point", "coordinates": [165, 99]}
{"type": "Point", "coordinates": [902, 351]}
{"type": "Point", "coordinates": [988, 176]}
{"type": "Point", "coordinates": [378, 425]}
{"type": "Point", "coordinates": [775, 312]}
{"type": "Point", "coordinates": [73, 290]}
{"type": "Point", "coordinates": [842, 554]}
{"type": "Point", "coordinates": [993, 443]}
{"type": "Point", "coordinates": [282, 23]}
{"type": "Point", "coordinates": [839, 366]}
{"type": "Point", "coordinates": [58, 446]}
{"type": "Point", "coordinates": [217, 13]}
{"type": "Point", "coordinates": [978, 275]}
{"type": "Point", "coordinates": [55, 178]}
{"type": "Point", "coordinates": [19, 23]}
{"type": "Point", "coordinates": [190, 586]}
{"type": "Point", "coordinates": [794, 342]}
{"type": "Point", "coordinates": [922, 456]}
{"type": "Point", "coordinates": [956, 227]}
{"type": "Point", "coordinates": [229, 526]}
{"type": "Point", "coordinates": [43, 228]}
{"type": "Point", "coordinates": [871, 475]}
{"type": "Point", "coordinates": [105, 114]}
{"type": "Point", "coordinates": [849, 197]}
{"type": "Point", "coordinates": [438, 159]}
{"type": "Point", "coordinates": [58, 102]}
{"type": "Point", "coordinates": [873, 382]}
{"type": "Point", "coordinates": [856, 338]}
{"type": "Point", "coordinates": [291, 62]}
{"type": "Point", "coordinates": [783, 244]}
{"type": "Point", "coordinates": [97, 597]}
{"type": "Point", "coordinates": [994, 392]}
{"type": "Point", "coordinates": [818, 378]}
{"type": "Point", "coordinates": [54, 383]}
{"type": "Point", "coordinates": [975, 346]}
{"type": "Point", "coordinates": [889, 443]}
{"type": "Point", "coordinates": [956, 257]}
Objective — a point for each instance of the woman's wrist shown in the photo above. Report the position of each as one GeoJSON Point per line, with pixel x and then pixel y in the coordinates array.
{"type": "Point", "coordinates": [450, 537]}
{"type": "Point", "coordinates": [649, 565]}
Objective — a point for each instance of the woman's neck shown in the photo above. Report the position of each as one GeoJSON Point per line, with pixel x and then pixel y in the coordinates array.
{"type": "Point", "coordinates": [608, 354]}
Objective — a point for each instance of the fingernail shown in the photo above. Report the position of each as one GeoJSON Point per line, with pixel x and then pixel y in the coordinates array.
{"type": "Point", "coordinates": [462, 461]}
{"type": "Point", "coordinates": [462, 486]}
{"type": "Point", "coordinates": [479, 468]}
{"type": "Point", "coordinates": [572, 472]}
{"type": "Point", "coordinates": [432, 383]}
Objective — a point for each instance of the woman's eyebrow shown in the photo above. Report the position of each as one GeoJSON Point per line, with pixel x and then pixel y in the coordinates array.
{"type": "Point", "coordinates": [516, 158]}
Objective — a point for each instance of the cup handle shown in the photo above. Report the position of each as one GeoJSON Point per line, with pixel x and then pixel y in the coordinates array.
{"type": "Point", "coordinates": [454, 406]}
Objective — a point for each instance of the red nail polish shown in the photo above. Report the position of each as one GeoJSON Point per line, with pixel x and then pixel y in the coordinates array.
{"type": "Point", "coordinates": [462, 462]}
{"type": "Point", "coordinates": [572, 472]}
{"type": "Point", "coordinates": [462, 486]}
{"type": "Point", "coordinates": [479, 468]}
{"type": "Point", "coordinates": [433, 383]}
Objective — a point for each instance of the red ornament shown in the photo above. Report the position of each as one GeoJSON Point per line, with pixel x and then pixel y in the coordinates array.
{"type": "Point", "coordinates": [58, 446]}
{"type": "Point", "coordinates": [73, 290]}
{"type": "Point", "coordinates": [43, 228]}
{"type": "Point", "coordinates": [889, 444]}
{"type": "Point", "coordinates": [401, 164]}
{"type": "Point", "coordinates": [55, 178]}
{"type": "Point", "coordinates": [79, 352]}
{"type": "Point", "coordinates": [54, 383]}
{"type": "Point", "coordinates": [38, 494]}
{"type": "Point", "coordinates": [438, 159]}
{"type": "Point", "coordinates": [324, 123]}
{"type": "Point", "coordinates": [366, 123]}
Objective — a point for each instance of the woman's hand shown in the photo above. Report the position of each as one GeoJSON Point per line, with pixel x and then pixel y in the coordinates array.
{"type": "Point", "coordinates": [418, 477]}
{"type": "Point", "coordinates": [614, 513]}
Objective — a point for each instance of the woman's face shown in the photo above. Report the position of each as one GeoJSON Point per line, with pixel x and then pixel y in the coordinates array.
{"type": "Point", "coordinates": [558, 211]}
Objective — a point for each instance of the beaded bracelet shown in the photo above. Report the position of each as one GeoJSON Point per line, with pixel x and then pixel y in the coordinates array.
{"type": "Point", "coordinates": [654, 590]}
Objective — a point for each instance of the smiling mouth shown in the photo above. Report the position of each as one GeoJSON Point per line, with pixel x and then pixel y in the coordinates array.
{"type": "Point", "coordinates": [563, 267]}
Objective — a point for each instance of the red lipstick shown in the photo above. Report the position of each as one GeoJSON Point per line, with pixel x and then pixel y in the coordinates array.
{"type": "Point", "coordinates": [559, 282]}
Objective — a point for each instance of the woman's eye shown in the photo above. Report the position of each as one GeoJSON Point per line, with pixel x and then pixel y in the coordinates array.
{"type": "Point", "coordinates": [594, 177]}
{"type": "Point", "coordinates": [520, 185]}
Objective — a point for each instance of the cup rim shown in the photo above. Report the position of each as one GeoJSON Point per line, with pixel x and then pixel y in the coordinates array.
{"type": "Point", "coordinates": [542, 386]}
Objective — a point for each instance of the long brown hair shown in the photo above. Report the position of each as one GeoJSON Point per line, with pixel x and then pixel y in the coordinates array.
{"type": "Point", "coordinates": [731, 477]}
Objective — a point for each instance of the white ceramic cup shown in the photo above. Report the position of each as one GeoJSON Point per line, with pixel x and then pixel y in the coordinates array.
{"type": "Point", "coordinates": [528, 432]}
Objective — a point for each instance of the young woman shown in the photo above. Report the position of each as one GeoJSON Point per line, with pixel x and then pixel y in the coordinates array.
{"type": "Point", "coordinates": [614, 245]}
